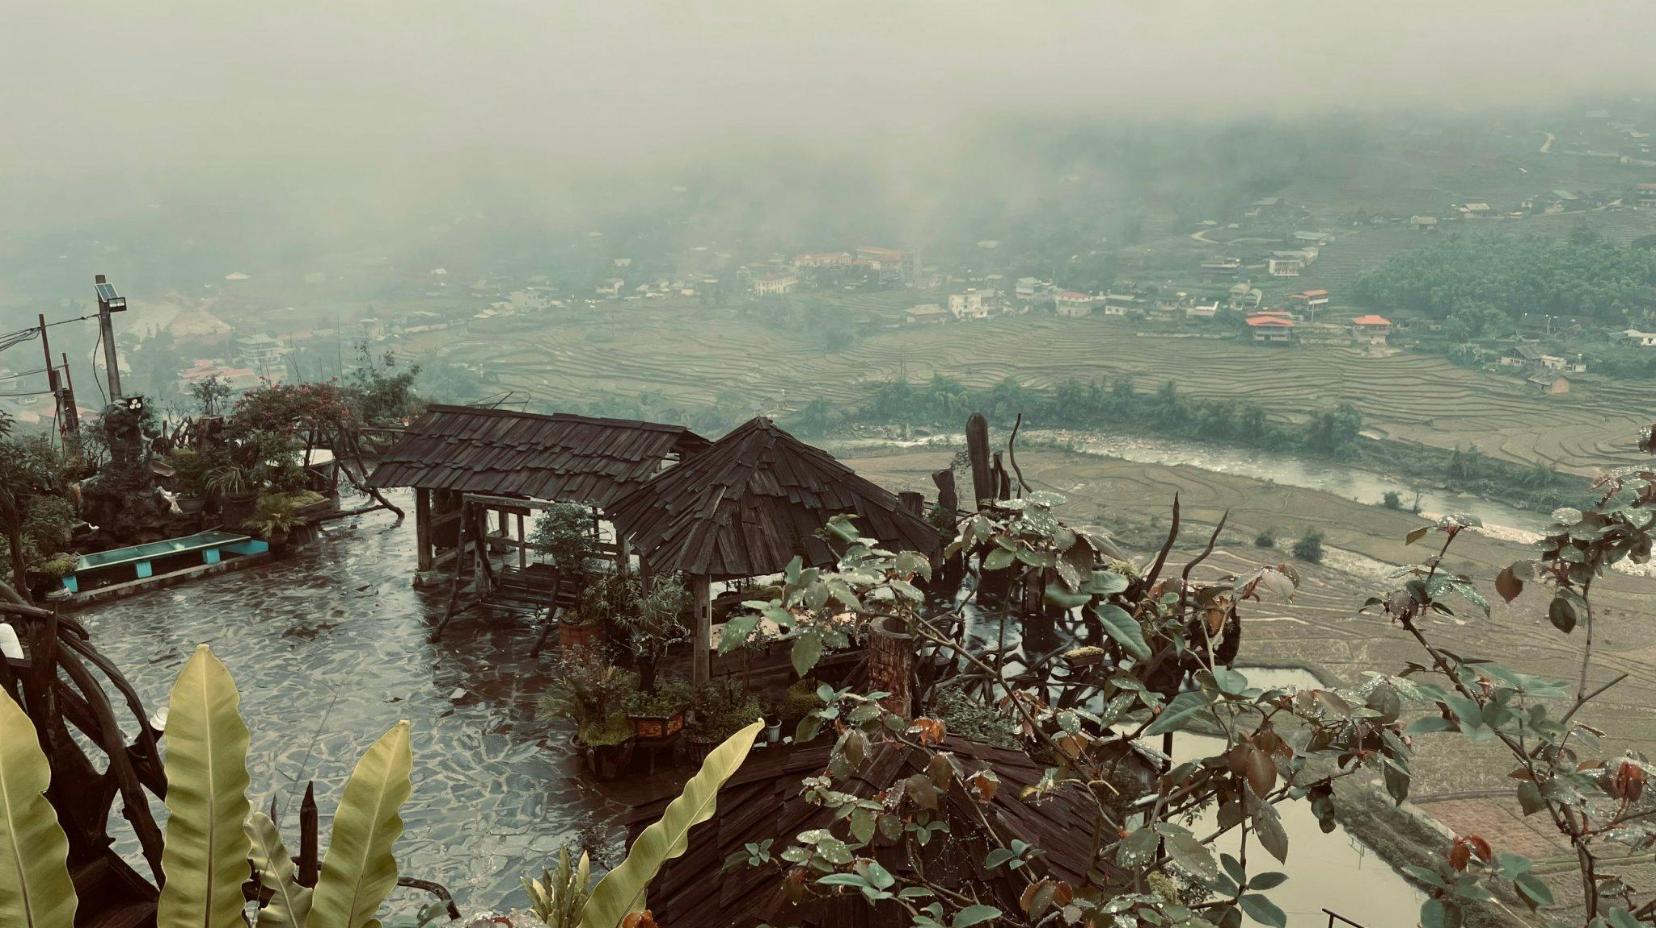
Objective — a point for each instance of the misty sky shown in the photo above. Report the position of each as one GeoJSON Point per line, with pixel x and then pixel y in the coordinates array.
{"type": "Point", "coordinates": [369, 105]}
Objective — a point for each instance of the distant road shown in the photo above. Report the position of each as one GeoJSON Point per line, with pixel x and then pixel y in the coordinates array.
{"type": "Point", "coordinates": [1547, 145]}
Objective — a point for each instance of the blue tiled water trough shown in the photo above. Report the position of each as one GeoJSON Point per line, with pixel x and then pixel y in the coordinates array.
{"type": "Point", "coordinates": [210, 546]}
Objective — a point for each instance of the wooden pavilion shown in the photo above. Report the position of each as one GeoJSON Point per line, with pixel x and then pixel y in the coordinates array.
{"type": "Point", "coordinates": [520, 456]}
{"type": "Point", "coordinates": [747, 506]}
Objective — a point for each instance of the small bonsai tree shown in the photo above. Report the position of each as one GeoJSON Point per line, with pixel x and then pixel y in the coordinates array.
{"type": "Point", "coordinates": [653, 621]}
{"type": "Point", "coordinates": [564, 534]}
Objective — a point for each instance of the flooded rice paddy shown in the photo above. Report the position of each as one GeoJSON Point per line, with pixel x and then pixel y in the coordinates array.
{"type": "Point", "coordinates": [329, 650]}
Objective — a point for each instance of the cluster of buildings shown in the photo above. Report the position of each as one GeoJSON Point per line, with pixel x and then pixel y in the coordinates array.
{"type": "Point", "coordinates": [886, 266]}
{"type": "Point", "coordinates": [1283, 327]}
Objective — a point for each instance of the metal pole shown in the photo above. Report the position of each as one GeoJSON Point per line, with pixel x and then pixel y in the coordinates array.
{"type": "Point", "coordinates": [106, 326]}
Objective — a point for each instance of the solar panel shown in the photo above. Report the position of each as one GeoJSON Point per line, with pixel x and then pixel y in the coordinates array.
{"type": "Point", "coordinates": [107, 292]}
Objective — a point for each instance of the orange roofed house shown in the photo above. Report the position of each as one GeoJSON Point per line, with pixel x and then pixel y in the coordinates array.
{"type": "Point", "coordinates": [1271, 328]}
{"type": "Point", "coordinates": [1312, 300]}
{"type": "Point", "coordinates": [1371, 329]}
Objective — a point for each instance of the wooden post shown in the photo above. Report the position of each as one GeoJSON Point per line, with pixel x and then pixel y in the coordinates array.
{"type": "Point", "coordinates": [623, 549]}
{"type": "Point", "coordinates": [422, 527]}
{"type": "Point", "coordinates": [977, 453]}
{"type": "Point", "coordinates": [523, 546]}
{"type": "Point", "coordinates": [701, 592]}
{"type": "Point", "coordinates": [891, 666]}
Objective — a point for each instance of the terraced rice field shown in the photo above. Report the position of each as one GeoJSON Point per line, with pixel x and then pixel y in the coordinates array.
{"type": "Point", "coordinates": [693, 353]}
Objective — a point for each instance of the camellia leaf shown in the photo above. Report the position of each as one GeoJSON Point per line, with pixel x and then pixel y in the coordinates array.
{"type": "Point", "coordinates": [206, 850]}
{"type": "Point", "coordinates": [974, 915]}
{"type": "Point", "coordinates": [807, 649]}
{"type": "Point", "coordinates": [35, 890]}
{"type": "Point", "coordinates": [737, 630]}
{"type": "Point", "coordinates": [359, 869]}
{"type": "Point", "coordinates": [621, 891]}
{"type": "Point", "coordinates": [1263, 910]}
{"type": "Point", "coordinates": [1178, 713]}
{"type": "Point", "coordinates": [1123, 628]}
{"type": "Point", "coordinates": [1267, 825]}
{"type": "Point", "coordinates": [290, 903]}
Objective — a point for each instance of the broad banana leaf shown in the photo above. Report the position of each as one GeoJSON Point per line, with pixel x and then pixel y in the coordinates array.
{"type": "Point", "coordinates": [290, 903]}
{"type": "Point", "coordinates": [359, 870]}
{"type": "Point", "coordinates": [206, 851]}
{"type": "Point", "coordinates": [621, 891]}
{"type": "Point", "coordinates": [35, 891]}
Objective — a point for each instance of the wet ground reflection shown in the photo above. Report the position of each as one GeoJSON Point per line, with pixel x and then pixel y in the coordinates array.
{"type": "Point", "coordinates": [329, 649]}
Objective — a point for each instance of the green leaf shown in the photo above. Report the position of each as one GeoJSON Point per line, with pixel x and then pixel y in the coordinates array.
{"type": "Point", "coordinates": [736, 631]}
{"type": "Point", "coordinates": [1529, 797]}
{"type": "Point", "coordinates": [1427, 724]}
{"type": "Point", "coordinates": [35, 890]}
{"type": "Point", "coordinates": [1192, 855]}
{"type": "Point", "coordinates": [1267, 825]}
{"type": "Point", "coordinates": [1057, 595]}
{"type": "Point", "coordinates": [1182, 710]}
{"type": "Point", "coordinates": [1123, 628]}
{"type": "Point", "coordinates": [621, 891]}
{"type": "Point", "coordinates": [1533, 889]}
{"type": "Point", "coordinates": [359, 869]}
{"type": "Point", "coordinates": [290, 903]}
{"type": "Point", "coordinates": [206, 850]}
{"type": "Point", "coordinates": [998, 559]}
{"type": "Point", "coordinates": [1268, 880]}
{"type": "Point", "coordinates": [1416, 535]}
{"type": "Point", "coordinates": [1562, 614]}
{"type": "Point", "coordinates": [1433, 914]}
{"type": "Point", "coordinates": [974, 915]}
{"type": "Point", "coordinates": [1263, 910]}
{"type": "Point", "coordinates": [807, 649]}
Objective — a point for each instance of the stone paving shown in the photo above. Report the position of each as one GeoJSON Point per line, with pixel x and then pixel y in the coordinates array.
{"type": "Point", "coordinates": [328, 647]}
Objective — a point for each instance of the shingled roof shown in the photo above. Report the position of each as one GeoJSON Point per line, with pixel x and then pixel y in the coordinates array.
{"type": "Point", "coordinates": [509, 453]}
{"type": "Point", "coordinates": [762, 801]}
{"type": "Point", "coordinates": [746, 506]}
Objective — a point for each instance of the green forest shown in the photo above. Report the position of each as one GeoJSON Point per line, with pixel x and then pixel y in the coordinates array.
{"type": "Point", "coordinates": [1480, 284]}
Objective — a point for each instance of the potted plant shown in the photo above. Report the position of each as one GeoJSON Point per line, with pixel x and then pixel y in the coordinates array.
{"type": "Point", "coordinates": [717, 711]}
{"type": "Point", "coordinates": [605, 595]}
{"type": "Point", "coordinates": [276, 514]}
{"type": "Point", "coordinates": [592, 693]}
{"type": "Point", "coordinates": [564, 534]}
{"type": "Point", "coordinates": [773, 721]}
{"type": "Point", "coordinates": [658, 714]}
{"type": "Point", "coordinates": [190, 468]}
{"type": "Point", "coordinates": [652, 620]}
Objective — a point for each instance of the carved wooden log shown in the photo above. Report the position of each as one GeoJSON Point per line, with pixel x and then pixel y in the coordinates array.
{"type": "Point", "coordinates": [977, 453]}
{"type": "Point", "coordinates": [891, 666]}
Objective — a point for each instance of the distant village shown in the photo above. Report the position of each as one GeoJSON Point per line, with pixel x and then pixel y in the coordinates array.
{"type": "Point", "coordinates": [1236, 279]}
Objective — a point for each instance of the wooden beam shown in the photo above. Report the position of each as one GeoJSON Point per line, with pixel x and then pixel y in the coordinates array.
{"type": "Point", "coordinates": [701, 642]}
{"type": "Point", "coordinates": [523, 546]}
{"type": "Point", "coordinates": [422, 528]}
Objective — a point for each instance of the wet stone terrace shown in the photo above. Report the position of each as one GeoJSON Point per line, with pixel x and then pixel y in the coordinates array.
{"type": "Point", "coordinates": [329, 649]}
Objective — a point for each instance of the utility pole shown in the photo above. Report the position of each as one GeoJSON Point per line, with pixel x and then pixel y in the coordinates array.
{"type": "Point", "coordinates": [109, 302]}
{"type": "Point", "coordinates": [69, 412]}
{"type": "Point", "coordinates": [51, 373]}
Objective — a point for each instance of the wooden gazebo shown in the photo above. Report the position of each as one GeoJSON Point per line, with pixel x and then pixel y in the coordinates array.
{"type": "Point", "coordinates": [746, 507]}
{"type": "Point", "coordinates": [509, 455]}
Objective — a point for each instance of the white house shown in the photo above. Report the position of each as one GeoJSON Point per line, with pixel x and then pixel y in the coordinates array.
{"type": "Point", "coordinates": [1642, 339]}
{"type": "Point", "coordinates": [974, 304]}
{"type": "Point", "coordinates": [1074, 304]}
